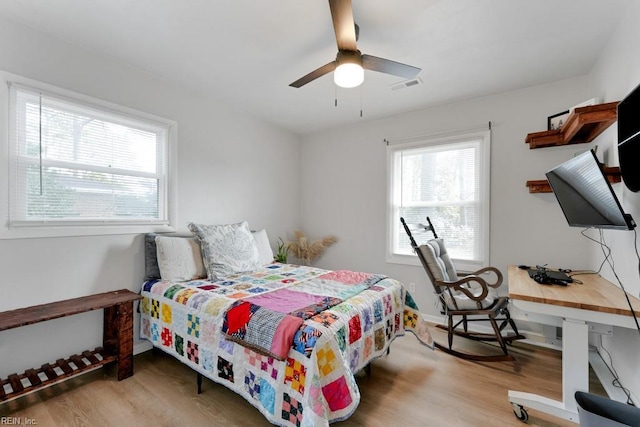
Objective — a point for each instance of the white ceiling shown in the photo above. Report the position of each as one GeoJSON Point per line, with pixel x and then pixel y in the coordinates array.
{"type": "Point", "coordinates": [245, 53]}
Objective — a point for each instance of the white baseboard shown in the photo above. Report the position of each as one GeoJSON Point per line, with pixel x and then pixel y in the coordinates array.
{"type": "Point", "coordinates": [532, 337]}
{"type": "Point", "coordinates": [433, 319]}
{"type": "Point", "coordinates": [141, 347]}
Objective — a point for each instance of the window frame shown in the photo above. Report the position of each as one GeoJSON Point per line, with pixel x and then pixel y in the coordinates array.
{"type": "Point", "coordinates": [432, 140]}
{"type": "Point", "coordinates": [43, 228]}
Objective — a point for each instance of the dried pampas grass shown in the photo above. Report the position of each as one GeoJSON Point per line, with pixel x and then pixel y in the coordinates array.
{"type": "Point", "coordinates": [307, 251]}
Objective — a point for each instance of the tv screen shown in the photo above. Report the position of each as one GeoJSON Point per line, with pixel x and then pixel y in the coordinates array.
{"type": "Point", "coordinates": [629, 139]}
{"type": "Point", "coordinates": [585, 195]}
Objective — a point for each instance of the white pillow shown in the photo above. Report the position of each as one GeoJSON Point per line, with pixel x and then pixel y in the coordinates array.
{"type": "Point", "coordinates": [265, 253]}
{"type": "Point", "coordinates": [179, 258]}
{"type": "Point", "coordinates": [226, 249]}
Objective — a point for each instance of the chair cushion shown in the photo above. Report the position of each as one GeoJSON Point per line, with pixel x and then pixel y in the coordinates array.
{"type": "Point", "coordinates": [438, 260]}
{"type": "Point", "coordinates": [440, 264]}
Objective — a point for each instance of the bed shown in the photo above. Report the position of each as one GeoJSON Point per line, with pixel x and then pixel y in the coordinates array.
{"type": "Point", "coordinates": [287, 338]}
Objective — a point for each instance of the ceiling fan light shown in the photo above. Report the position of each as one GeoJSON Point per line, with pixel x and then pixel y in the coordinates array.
{"type": "Point", "coordinates": [348, 75]}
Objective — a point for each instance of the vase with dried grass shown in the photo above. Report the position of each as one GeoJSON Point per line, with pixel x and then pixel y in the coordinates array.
{"type": "Point", "coordinates": [306, 250]}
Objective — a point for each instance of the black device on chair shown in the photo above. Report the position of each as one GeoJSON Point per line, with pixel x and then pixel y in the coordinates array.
{"type": "Point", "coordinates": [471, 297]}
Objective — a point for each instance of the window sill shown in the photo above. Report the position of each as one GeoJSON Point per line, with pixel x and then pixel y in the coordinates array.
{"type": "Point", "coordinates": [462, 266]}
{"type": "Point", "coordinates": [75, 231]}
{"type": "Point", "coordinates": [403, 259]}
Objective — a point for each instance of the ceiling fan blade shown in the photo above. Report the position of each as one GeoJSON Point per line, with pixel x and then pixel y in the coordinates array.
{"type": "Point", "coordinates": [325, 69]}
{"type": "Point", "coordinates": [343, 24]}
{"type": "Point", "coordinates": [387, 66]}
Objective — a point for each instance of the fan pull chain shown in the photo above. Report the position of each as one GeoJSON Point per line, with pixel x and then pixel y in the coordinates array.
{"type": "Point", "coordinates": [335, 94]}
{"type": "Point", "coordinates": [361, 100]}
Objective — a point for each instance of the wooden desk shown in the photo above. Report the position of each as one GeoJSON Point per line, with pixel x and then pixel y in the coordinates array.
{"type": "Point", "coordinates": [595, 301]}
{"type": "Point", "coordinates": [117, 340]}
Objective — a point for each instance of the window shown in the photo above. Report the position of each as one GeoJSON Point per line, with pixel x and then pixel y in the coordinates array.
{"type": "Point", "coordinates": [444, 177]}
{"type": "Point", "coordinates": [80, 162]}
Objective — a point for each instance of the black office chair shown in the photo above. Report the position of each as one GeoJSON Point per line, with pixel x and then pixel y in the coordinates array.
{"type": "Point", "coordinates": [598, 411]}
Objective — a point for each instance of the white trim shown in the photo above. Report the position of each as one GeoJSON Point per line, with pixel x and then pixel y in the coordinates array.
{"type": "Point", "coordinates": [86, 101]}
{"type": "Point", "coordinates": [89, 167]}
{"type": "Point", "coordinates": [438, 136]}
{"type": "Point", "coordinates": [142, 346]}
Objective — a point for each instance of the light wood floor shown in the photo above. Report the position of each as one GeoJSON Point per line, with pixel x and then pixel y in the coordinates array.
{"type": "Point", "coordinates": [411, 386]}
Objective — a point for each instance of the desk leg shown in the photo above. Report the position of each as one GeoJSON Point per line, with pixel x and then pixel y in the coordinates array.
{"type": "Point", "coordinates": [575, 361]}
{"type": "Point", "coordinates": [118, 336]}
{"type": "Point", "coordinates": [575, 375]}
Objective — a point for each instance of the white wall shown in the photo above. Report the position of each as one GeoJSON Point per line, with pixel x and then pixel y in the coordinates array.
{"type": "Point", "coordinates": [344, 184]}
{"type": "Point", "coordinates": [615, 75]}
{"type": "Point", "coordinates": [231, 167]}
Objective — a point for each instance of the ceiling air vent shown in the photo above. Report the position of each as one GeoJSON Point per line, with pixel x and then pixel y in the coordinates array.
{"type": "Point", "coordinates": [405, 84]}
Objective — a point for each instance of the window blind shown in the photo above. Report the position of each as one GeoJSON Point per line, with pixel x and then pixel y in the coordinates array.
{"type": "Point", "coordinates": [444, 177]}
{"type": "Point", "coordinates": [76, 163]}
{"type": "Point", "coordinates": [443, 183]}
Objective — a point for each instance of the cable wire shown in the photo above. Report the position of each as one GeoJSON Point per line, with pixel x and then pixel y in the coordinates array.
{"type": "Point", "coordinates": [600, 243]}
{"type": "Point", "coordinates": [635, 245]}
{"type": "Point", "coordinates": [606, 250]}
{"type": "Point", "coordinates": [616, 378]}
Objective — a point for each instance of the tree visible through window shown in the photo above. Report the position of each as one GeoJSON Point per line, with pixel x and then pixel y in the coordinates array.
{"type": "Point", "coordinates": [445, 179]}
{"type": "Point", "coordinates": [74, 163]}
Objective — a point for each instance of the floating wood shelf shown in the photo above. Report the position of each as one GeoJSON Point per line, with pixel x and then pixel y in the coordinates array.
{"type": "Point", "coordinates": [542, 185]}
{"type": "Point", "coordinates": [582, 126]}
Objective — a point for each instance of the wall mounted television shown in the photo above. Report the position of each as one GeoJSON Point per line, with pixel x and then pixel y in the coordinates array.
{"type": "Point", "coordinates": [629, 139]}
{"type": "Point", "coordinates": [585, 195]}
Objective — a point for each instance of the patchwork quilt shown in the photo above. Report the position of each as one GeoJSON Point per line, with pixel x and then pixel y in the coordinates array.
{"type": "Point", "coordinates": [286, 338]}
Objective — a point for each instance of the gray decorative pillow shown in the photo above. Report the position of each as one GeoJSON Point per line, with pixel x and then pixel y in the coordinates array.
{"type": "Point", "coordinates": [151, 269]}
{"type": "Point", "coordinates": [226, 249]}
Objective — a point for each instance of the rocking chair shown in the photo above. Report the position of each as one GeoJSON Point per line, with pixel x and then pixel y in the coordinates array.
{"type": "Point", "coordinates": [463, 296]}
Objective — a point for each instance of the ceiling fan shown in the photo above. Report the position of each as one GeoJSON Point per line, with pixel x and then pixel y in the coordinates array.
{"type": "Point", "coordinates": [350, 63]}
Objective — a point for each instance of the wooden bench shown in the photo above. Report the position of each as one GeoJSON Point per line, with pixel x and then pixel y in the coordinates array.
{"type": "Point", "coordinates": [117, 340]}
